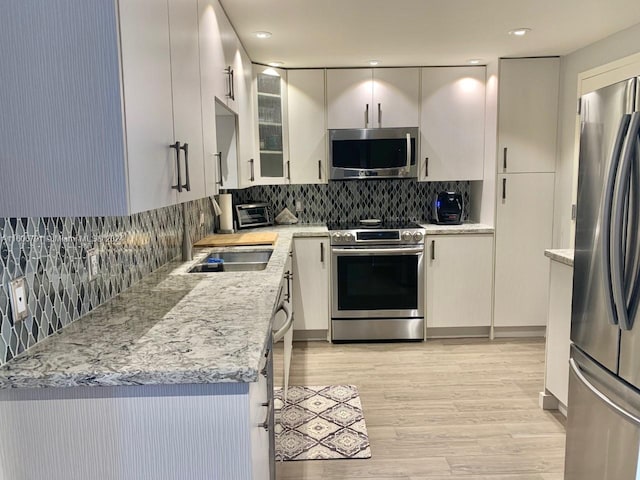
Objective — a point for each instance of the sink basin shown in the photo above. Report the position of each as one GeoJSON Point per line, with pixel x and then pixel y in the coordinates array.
{"type": "Point", "coordinates": [233, 262]}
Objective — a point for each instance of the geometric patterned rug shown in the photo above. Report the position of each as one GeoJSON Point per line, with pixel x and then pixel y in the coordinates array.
{"type": "Point", "coordinates": [320, 423]}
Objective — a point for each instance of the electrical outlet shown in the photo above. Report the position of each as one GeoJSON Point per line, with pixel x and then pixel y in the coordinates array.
{"type": "Point", "coordinates": [18, 299]}
{"type": "Point", "coordinates": [93, 265]}
{"type": "Point", "coordinates": [202, 219]}
{"type": "Point", "coordinates": [299, 207]}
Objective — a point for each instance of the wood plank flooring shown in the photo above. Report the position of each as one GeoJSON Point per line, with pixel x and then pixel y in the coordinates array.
{"type": "Point", "coordinates": [440, 410]}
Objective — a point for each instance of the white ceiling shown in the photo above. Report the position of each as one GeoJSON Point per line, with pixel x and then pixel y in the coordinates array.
{"type": "Point", "coordinates": [338, 33]}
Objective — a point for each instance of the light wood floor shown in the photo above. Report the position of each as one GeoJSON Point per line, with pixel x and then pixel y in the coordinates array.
{"type": "Point", "coordinates": [444, 409]}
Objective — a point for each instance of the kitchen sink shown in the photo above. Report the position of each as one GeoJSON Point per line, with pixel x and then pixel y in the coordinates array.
{"type": "Point", "coordinates": [233, 262]}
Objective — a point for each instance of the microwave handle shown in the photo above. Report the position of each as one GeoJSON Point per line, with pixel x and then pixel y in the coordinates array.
{"type": "Point", "coordinates": [408, 151]}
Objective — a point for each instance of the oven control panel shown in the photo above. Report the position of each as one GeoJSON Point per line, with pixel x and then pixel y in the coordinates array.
{"type": "Point", "coordinates": [378, 237]}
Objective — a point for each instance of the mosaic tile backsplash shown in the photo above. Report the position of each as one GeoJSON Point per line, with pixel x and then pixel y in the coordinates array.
{"type": "Point", "coordinates": [349, 201]}
{"type": "Point", "coordinates": [51, 253]}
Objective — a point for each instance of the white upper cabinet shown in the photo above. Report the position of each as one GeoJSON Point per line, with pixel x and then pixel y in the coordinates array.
{"type": "Point", "coordinates": [89, 128]}
{"type": "Point", "coordinates": [187, 100]}
{"type": "Point", "coordinates": [227, 102]}
{"type": "Point", "coordinates": [527, 115]}
{"type": "Point", "coordinates": [307, 128]}
{"type": "Point", "coordinates": [372, 98]}
{"type": "Point", "coordinates": [452, 122]}
{"type": "Point", "coordinates": [396, 96]}
{"type": "Point", "coordinates": [244, 97]}
{"type": "Point", "coordinates": [270, 85]}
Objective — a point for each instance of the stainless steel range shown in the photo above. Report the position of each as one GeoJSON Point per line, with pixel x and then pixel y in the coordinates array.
{"type": "Point", "coordinates": [377, 281]}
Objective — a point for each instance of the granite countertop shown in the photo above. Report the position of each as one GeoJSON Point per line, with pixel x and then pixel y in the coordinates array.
{"type": "Point", "coordinates": [170, 328]}
{"type": "Point", "coordinates": [564, 255]}
{"type": "Point", "coordinates": [433, 229]}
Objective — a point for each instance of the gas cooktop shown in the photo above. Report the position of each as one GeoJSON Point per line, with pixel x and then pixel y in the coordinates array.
{"type": "Point", "coordinates": [370, 225]}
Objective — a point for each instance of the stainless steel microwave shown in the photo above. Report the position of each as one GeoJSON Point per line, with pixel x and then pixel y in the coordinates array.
{"type": "Point", "coordinates": [373, 153]}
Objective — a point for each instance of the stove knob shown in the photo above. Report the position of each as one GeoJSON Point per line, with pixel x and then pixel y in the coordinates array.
{"type": "Point", "coordinates": [406, 236]}
{"type": "Point", "coordinates": [337, 237]}
{"type": "Point", "coordinates": [348, 237]}
{"type": "Point", "coordinates": [417, 236]}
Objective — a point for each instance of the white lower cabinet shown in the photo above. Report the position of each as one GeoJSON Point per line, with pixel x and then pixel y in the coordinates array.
{"type": "Point", "coordinates": [311, 283]}
{"type": "Point", "coordinates": [524, 217]}
{"type": "Point", "coordinates": [556, 377]}
{"type": "Point", "coordinates": [459, 270]}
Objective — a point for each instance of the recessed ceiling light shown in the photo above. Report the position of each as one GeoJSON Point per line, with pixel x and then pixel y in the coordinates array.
{"type": "Point", "coordinates": [373, 63]}
{"type": "Point", "coordinates": [276, 64]}
{"type": "Point", "coordinates": [474, 61]}
{"type": "Point", "coordinates": [263, 34]}
{"type": "Point", "coordinates": [519, 32]}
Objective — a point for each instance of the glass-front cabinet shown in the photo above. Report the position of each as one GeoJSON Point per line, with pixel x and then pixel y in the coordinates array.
{"type": "Point", "coordinates": [274, 166]}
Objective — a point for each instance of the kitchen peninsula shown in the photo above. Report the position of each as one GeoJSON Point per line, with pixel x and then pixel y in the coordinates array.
{"type": "Point", "coordinates": [177, 359]}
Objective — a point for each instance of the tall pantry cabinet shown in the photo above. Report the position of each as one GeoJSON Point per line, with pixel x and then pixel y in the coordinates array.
{"type": "Point", "coordinates": [527, 129]}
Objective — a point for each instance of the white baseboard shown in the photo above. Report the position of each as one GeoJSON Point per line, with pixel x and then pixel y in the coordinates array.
{"type": "Point", "coordinates": [506, 332]}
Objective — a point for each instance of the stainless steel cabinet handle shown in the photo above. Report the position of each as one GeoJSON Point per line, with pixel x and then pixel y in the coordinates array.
{"type": "Point", "coordinates": [379, 115]}
{"type": "Point", "coordinates": [433, 249]}
{"type": "Point", "coordinates": [231, 93]}
{"type": "Point", "coordinates": [319, 169]}
{"type": "Point", "coordinates": [233, 86]}
{"type": "Point", "coordinates": [321, 252]}
{"type": "Point", "coordinates": [504, 159]}
{"type": "Point", "coordinates": [618, 409]}
{"type": "Point", "coordinates": [366, 117]}
{"type": "Point", "coordinates": [252, 177]}
{"type": "Point", "coordinates": [426, 166]}
{"type": "Point", "coordinates": [219, 155]}
{"type": "Point", "coordinates": [185, 149]}
{"type": "Point", "coordinates": [266, 424]}
{"type": "Point", "coordinates": [504, 188]}
{"type": "Point", "coordinates": [288, 170]}
{"type": "Point", "coordinates": [178, 186]}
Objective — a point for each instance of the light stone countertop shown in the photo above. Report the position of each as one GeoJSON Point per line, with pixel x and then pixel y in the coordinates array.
{"type": "Point", "coordinates": [465, 228]}
{"type": "Point", "coordinates": [169, 328]}
{"type": "Point", "coordinates": [562, 255]}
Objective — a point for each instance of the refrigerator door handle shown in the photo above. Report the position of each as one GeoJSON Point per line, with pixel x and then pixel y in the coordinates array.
{"type": "Point", "coordinates": [607, 208]}
{"type": "Point", "coordinates": [606, 400]}
{"type": "Point", "coordinates": [620, 197]}
{"type": "Point", "coordinates": [632, 257]}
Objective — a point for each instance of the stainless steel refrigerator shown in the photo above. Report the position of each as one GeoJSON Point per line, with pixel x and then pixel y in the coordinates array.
{"type": "Point", "coordinates": [603, 423]}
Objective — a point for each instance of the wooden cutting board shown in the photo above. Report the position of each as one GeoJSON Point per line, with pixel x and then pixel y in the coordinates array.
{"type": "Point", "coordinates": [237, 239]}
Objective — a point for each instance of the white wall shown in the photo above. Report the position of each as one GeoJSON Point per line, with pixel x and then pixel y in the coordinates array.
{"type": "Point", "coordinates": [619, 45]}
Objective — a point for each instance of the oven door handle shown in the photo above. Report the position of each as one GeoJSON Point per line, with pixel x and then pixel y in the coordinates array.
{"type": "Point", "coordinates": [378, 251]}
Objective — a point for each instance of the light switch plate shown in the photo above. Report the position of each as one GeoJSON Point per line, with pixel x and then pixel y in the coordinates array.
{"type": "Point", "coordinates": [92, 263]}
{"type": "Point", "coordinates": [299, 207]}
{"type": "Point", "coordinates": [18, 290]}
{"type": "Point", "coordinates": [201, 219]}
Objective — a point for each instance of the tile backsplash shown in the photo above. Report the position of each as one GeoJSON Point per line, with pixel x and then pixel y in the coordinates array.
{"type": "Point", "coordinates": [353, 200]}
{"type": "Point", "coordinates": [51, 253]}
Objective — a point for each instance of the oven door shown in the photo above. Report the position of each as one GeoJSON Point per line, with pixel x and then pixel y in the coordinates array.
{"type": "Point", "coordinates": [382, 282]}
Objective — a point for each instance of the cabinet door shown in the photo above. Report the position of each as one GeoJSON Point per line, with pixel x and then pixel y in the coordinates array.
{"type": "Point", "coordinates": [146, 75]}
{"type": "Point", "coordinates": [459, 280]}
{"type": "Point", "coordinates": [307, 129]}
{"type": "Point", "coordinates": [350, 99]}
{"type": "Point", "coordinates": [233, 85]}
{"type": "Point", "coordinates": [187, 99]}
{"type": "Point", "coordinates": [528, 115]}
{"type": "Point", "coordinates": [247, 159]}
{"type": "Point", "coordinates": [558, 331]}
{"type": "Point", "coordinates": [452, 123]}
{"type": "Point", "coordinates": [213, 84]}
{"type": "Point", "coordinates": [270, 99]}
{"type": "Point", "coordinates": [311, 283]}
{"type": "Point", "coordinates": [396, 96]}
{"type": "Point", "coordinates": [524, 218]}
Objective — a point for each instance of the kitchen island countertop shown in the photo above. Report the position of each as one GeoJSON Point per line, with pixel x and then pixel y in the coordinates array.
{"type": "Point", "coordinates": [562, 255]}
{"type": "Point", "coordinates": [170, 328]}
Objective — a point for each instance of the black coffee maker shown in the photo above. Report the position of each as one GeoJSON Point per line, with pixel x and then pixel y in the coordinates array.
{"type": "Point", "coordinates": [447, 208]}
